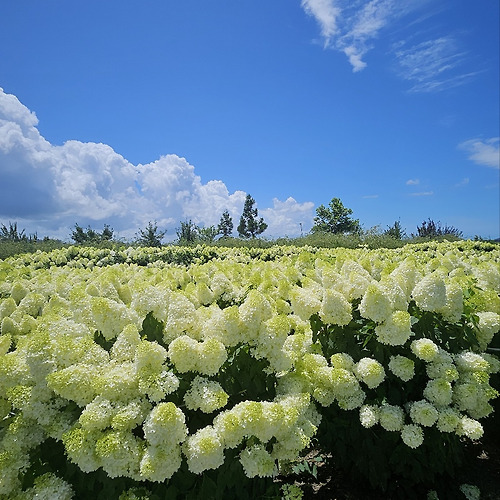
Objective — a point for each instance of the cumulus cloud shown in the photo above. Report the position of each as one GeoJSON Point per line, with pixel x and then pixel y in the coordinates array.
{"type": "Point", "coordinates": [351, 27]}
{"type": "Point", "coordinates": [49, 188]}
{"type": "Point", "coordinates": [483, 151]}
{"type": "Point", "coordinates": [288, 218]}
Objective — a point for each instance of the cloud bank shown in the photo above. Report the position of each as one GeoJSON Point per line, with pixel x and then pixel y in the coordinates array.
{"type": "Point", "coordinates": [48, 188]}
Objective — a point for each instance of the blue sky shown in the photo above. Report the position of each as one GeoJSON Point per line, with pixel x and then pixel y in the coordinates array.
{"type": "Point", "coordinates": [122, 112]}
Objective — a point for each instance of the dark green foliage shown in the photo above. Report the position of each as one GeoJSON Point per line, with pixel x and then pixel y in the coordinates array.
{"type": "Point", "coordinates": [187, 233]}
{"type": "Point", "coordinates": [250, 225]}
{"type": "Point", "coordinates": [395, 231]}
{"type": "Point", "coordinates": [11, 233]}
{"type": "Point", "coordinates": [91, 237]}
{"type": "Point", "coordinates": [225, 227]}
{"type": "Point", "coordinates": [151, 236]}
{"type": "Point", "coordinates": [335, 219]}
{"type": "Point", "coordinates": [431, 229]}
{"type": "Point", "coordinates": [207, 234]}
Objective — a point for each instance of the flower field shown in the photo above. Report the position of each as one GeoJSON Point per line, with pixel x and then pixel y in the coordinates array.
{"type": "Point", "coordinates": [205, 372]}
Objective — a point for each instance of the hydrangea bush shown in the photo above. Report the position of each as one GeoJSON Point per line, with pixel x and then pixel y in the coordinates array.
{"type": "Point", "coordinates": [151, 372]}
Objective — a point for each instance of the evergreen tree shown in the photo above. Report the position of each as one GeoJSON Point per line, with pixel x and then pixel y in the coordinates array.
{"type": "Point", "coordinates": [187, 233]}
{"type": "Point", "coordinates": [225, 227]}
{"type": "Point", "coordinates": [250, 225]}
{"type": "Point", "coordinates": [395, 231]}
{"type": "Point", "coordinates": [335, 219]}
{"type": "Point", "coordinates": [151, 236]}
{"type": "Point", "coordinates": [91, 237]}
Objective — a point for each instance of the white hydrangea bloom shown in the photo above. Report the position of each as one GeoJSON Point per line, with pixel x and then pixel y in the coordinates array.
{"type": "Point", "coordinates": [229, 426]}
{"type": "Point", "coordinates": [149, 358]}
{"type": "Point", "coordinates": [375, 304]}
{"type": "Point", "coordinates": [335, 308]}
{"type": "Point", "coordinates": [402, 367]}
{"type": "Point", "coordinates": [48, 487]}
{"type": "Point", "coordinates": [430, 292]}
{"type": "Point", "coordinates": [395, 330]}
{"type": "Point", "coordinates": [470, 428]}
{"type": "Point", "coordinates": [75, 383]}
{"type": "Point", "coordinates": [212, 355]}
{"type": "Point", "coordinates": [130, 415]}
{"type": "Point", "coordinates": [442, 369]}
{"type": "Point", "coordinates": [205, 395]}
{"type": "Point", "coordinates": [466, 395]}
{"type": "Point", "coordinates": [424, 349]}
{"type": "Point", "coordinates": [412, 435]}
{"type": "Point", "coordinates": [184, 353]}
{"type": "Point", "coordinates": [391, 417]}
{"type": "Point", "coordinates": [423, 413]}
{"type": "Point", "coordinates": [453, 309]}
{"type": "Point", "coordinates": [439, 392]}
{"type": "Point", "coordinates": [489, 326]}
{"type": "Point", "coordinates": [448, 419]}
{"type": "Point", "coordinates": [257, 461]}
{"type": "Point", "coordinates": [110, 317]}
{"type": "Point", "coordinates": [369, 371]}
{"type": "Point", "coordinates": [159, 385]}
{"type": "Point", "coordinates": [165, 425]}
{"type": "Point", "coordinates": [181, 317]}
{"type": "Point", "coordinates": [369, 415]}
{"type": "Point", "coordinates": [117, 381]}
{"type": "Point", "coordinates": [255, 310]}
{"type": "Point", "coordinates": [119, 453]}
{"type": "Point", "coordinates": [342, 360]}
{"type": "Point", "coordinates": [204, 450]}
{"type": "Point", "coordinates": [97, 415]}
{"type": "Point", "coordinates": [305, 302]}
{"type": "Point", "coordinates": [493, 361]}
{"type": "Point", "coordinates": [470, 361]}
{"type": "Point", "coordinates": [125, 344]}
{"type": "Point", "coordinates": [160, 462]}
{"type": "Point", "coordinates": [152, 299]}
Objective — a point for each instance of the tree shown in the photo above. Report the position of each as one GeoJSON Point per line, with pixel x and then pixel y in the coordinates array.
{"type": "Point", "coordinates": [395, 231]}
{"type": "Point", "coordinates": [187, 233]}
{"type": "Point", "coordinates": [89, 236]}
{"type": "Point", "coordinates": [150, 236]}
{"type": "Point", "coordinates": [250, 225]}
{"type": "Point", "coordinates": [431, 229]}
{"type": "Point", "coordinates": [207, 234]}
{"type": "Point", "coordinates": [225, 227]}
{"type": "Point", "coordinates": [335, 219]}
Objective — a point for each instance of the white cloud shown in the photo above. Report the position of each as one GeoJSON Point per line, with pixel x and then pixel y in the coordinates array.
{"type": "Point", "coordinates": [50, 188]}
{"type": "Point", "coordinates": [350, 27]}
{"type": "Point", "coordinates": [483, 151]}
{"type": "Point", "coordinates": [326, 14]}
{"type": "Point", "coordinates": [432, 65]}
{"type": "Point", "coordinates": [288, 218]}
{"type": "Point", "coordinates": [422, 193]}
{"type": "Point", "coordinates": [412, 182]}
